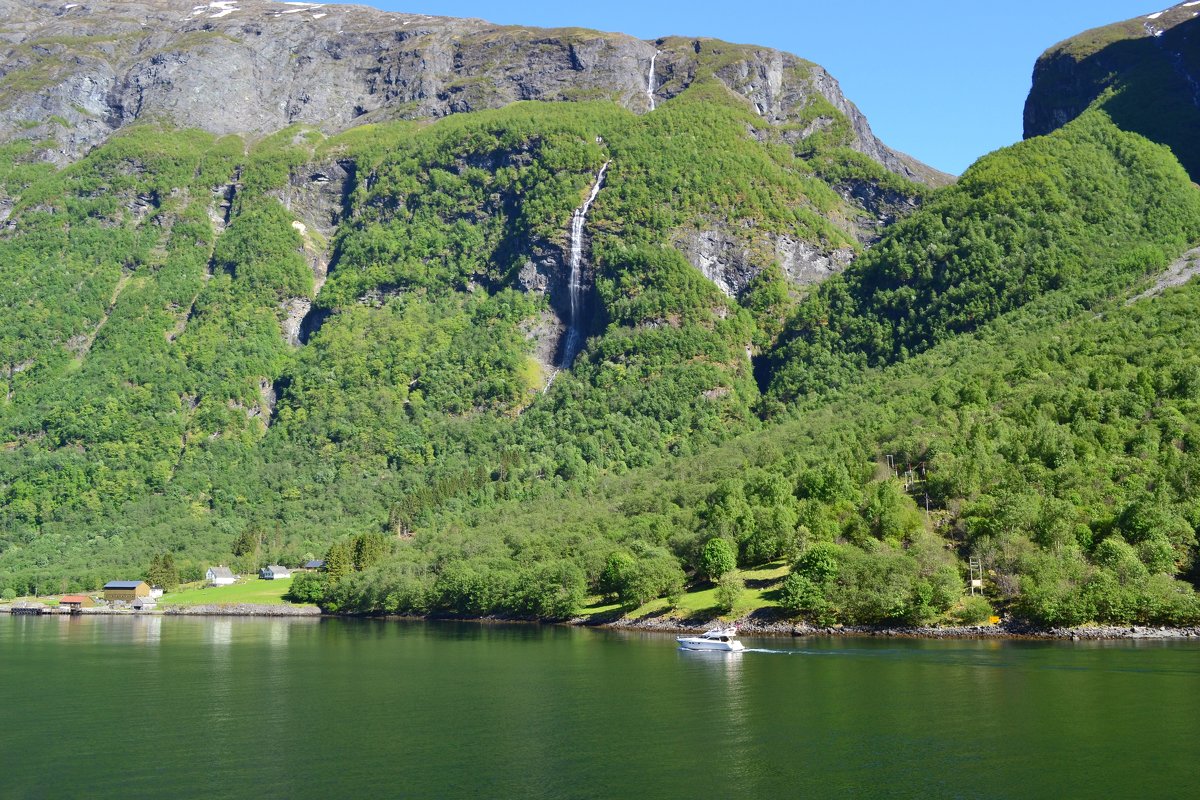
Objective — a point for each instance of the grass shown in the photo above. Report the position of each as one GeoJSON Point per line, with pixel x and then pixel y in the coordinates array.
{"type": "Point", "coordinates": [760, 592]}
{"type": "Point", "coordinates": [250, 591]}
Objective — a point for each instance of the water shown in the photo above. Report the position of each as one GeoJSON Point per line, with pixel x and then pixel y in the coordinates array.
{"type": "Point", "coordinates": [131, 708]}
{"type": "Point", "coordinates": [575, 281]}
{"type": "Point", "coordinates": [650, 80]}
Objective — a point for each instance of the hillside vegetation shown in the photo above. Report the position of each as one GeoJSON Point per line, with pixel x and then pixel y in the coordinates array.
{"type": "Point", "coordinates": [151, 399]}
{"type": "Point", "coordinates": [1056, 442]}
{"type": "Point", "coordinates": [249, 351]}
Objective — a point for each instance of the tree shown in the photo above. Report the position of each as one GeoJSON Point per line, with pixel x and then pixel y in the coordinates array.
{"type": "Point", "coordinates": [163, 571]}
{"type": "Point", "coordinates": [247, 542]}
{"type": "Point", "coordinates": [729, 591]}
{"type": "Point", "coordinates": [339, 560]}
{"type": "Point", "coordinates": [369, 549]}
{"type": "Point", "coordinates": [618, 572]}
{"type": "Point", "coordinates": [718, 557]}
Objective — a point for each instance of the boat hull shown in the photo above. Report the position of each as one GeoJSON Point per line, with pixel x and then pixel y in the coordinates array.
{"type": "Point", "coordinates": [696, 643]}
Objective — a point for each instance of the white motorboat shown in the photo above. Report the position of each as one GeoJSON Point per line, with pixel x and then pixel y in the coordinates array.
{"type": "Point", "coordinates": [718, 639]}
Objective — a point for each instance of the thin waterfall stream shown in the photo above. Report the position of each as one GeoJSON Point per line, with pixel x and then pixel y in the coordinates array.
{"type": "Point", "coordinates": [575, 281]}
{"type": "Point", "coordinates": [650, 87]}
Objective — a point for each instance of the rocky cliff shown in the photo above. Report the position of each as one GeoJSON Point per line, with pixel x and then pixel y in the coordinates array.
{"type": "Point", "coordinates": [1144, 72]}
{"type": "Point", "coordinates": [73, 73]}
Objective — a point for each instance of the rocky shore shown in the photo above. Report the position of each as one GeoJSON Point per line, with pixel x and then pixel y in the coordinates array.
{"type": "Point", "coordinates": [1004, 630]}
{"type": "Point", "coordinates": [242, 610]}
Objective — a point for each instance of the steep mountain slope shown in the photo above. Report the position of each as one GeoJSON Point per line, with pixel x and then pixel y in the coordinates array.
{"type": "Point", "coordinates": [201, 326]}
{"type": "Point", "coordinates": [1144, 72]}
{"type": "Point", "coordinates": [75, 72]}
{"type": "Point", "coordinates": [1056, 442]}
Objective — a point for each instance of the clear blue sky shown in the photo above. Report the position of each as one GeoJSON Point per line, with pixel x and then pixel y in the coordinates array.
{"type": "Point", "coordinates": [943, 80]}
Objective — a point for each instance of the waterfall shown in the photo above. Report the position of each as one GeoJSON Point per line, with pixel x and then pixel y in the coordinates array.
{"type": "Point", "coordinates": [650, 87]}
{"type": "Point", "coordinates": [575, 282]}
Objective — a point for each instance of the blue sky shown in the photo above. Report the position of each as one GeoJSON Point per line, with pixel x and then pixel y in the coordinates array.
{"type": "Point", "coordinates": [943, 80]}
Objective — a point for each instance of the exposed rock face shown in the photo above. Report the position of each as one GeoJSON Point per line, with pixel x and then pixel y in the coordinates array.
{"type": "Point", "coordinates": [76, 72]}
{"type": "Point", "coordinates": [318, 195]}
{"type": "Point", "coordinates": [731, 259]}
{"type": "Point", "coordinates": [1144, 71]}
{"type": "Point", "coordinates": [782, 87]}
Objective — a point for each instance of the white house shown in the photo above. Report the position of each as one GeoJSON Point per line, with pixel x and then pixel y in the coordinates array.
{"type": "Point", "coordinates": [273, 572]}
{"type": "Point", "coordinates": [219, 576]}
{"type": "Point", "coordinates": [156, 592]}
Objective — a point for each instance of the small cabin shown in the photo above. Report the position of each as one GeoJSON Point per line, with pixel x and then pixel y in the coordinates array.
{"type": "Point", "coordinates": [156, 592]}
{"type": "Point", "coordinates": [220, 576]}
{"type": "Point", "coordinates": [273, 572]}
{"type": "Point", "coordinates": [75, 602]}
{"type": "Point", "coordinates": [125, 591]}
{"type": "Point", "coordinates": [316, 565]}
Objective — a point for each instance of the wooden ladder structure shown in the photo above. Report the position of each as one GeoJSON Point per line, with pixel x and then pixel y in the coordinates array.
{"type": "Point", "coordinates": [975, 575]}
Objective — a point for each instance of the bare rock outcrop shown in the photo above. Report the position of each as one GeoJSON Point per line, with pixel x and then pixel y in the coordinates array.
{"type": "Point", "coordinates": [731, 257]}
{"type": "Point", "coordinates": [74, 73]}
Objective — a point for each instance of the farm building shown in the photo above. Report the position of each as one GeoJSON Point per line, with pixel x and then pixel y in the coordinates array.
{"type": "Point", "coordinates": [125, 591]}
{"type": "Point", "coordinates": [315, 565]}
{"type": "Point", "coordinates": [75, 601]}
{"type": "Point", "coordinates": [273, 572]}
{"type": "Point", "coordinates": [220, 576]}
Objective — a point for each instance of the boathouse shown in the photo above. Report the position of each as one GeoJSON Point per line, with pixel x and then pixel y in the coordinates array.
{"type": "Point", "coordinates": [74, 602]}
{"type": "Point", "coordinates": [125, 591]}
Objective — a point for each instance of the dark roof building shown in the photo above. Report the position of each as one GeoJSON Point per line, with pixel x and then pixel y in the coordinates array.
{"type": "Point", "coordinates": [124, 584]}
{"type": "Point", "coordinates": [316, 563]}
{"type": "Point", "coordinates": [126, 591]}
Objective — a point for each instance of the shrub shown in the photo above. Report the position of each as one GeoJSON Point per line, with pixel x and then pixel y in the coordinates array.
{"type": "Point", "coordinates": [973, 610]}
{"type": "Point", "coordinates": [800, 595]}
{"type": "Point", "coordinates": [729, 591]}
{"type": "Point", "coordinates": [307, 587]}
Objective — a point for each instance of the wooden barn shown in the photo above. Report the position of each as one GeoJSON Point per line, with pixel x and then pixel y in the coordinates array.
{"type": "Point", "coordinates": [125, 591]}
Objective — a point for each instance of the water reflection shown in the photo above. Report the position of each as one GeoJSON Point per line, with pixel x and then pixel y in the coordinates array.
{"type": "Point", "coordinates": [219, 632]}
{"type": "Point", "coordinates": [147, 630]}
{"type": "Point", "coordinates": [729, 695]}
{"type": "Point", "coordinates": [277, 633]}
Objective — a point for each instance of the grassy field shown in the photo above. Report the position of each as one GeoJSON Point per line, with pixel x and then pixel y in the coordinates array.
{"type": "Point", "coordinates": [249, 591]}
{"type": "Point", "coordinates": [761, 585]}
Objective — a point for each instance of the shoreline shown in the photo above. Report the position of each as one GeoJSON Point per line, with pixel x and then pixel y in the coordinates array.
{"type": "Point", "coordinates": [1000, 631]}
{"type": "Point", "coordinates": [668, 625]}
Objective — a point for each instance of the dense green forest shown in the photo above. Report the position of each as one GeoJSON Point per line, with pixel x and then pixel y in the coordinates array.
{"type": "Point", "coordinates": [153, 402]}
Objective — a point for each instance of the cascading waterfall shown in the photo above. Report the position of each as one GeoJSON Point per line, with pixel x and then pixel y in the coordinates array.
{"type": "Point", "coordinates": [575, 282]}
{"type": "Point", "coordinates": [650, 87]}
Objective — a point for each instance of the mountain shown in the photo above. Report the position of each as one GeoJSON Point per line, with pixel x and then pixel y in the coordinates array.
{"type": "Point", "coordinates": [1144, 72]}
{"type": "Point", "coordinates": [76, 72]}
{"type": "Point", "coordinates": [496, 355]}
{"type": "Point", "coordinates": [203, 288]}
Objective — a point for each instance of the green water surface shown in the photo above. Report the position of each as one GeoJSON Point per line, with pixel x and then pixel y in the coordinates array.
{"type": "Point", "coordinates": [99, 707]}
